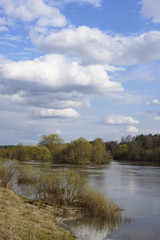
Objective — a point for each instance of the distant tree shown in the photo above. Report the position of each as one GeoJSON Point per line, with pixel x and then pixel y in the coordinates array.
{"type": "Point", "coordinates": [111, 146]}
{"type": "Point", "coordinates": [156, 154]}
{"type": "Point", "coordinates": [39, 153]}
{"type": "Point", "coordinates": [99, 153]}
{"type": "Point", "coordinates": [139, 148]}
{"type": "Point", "coordinates": [50, 140]}
{"type": "Point", "coordinates": [54, 143]}
{"type": "Point", "coordinates": [78, 151]}
{"type": "Point", "coordinates": [122, 152]}
{"type": "Point", "coordinates": [126, 139]}
{"type": "Point", "coordinates": [21, 152]}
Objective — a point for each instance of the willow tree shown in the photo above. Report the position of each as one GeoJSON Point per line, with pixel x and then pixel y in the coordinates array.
{"type": "Point", "coordinates": [54, 143]}
{"type": "Point", "coordinates": [99, 153]}
{"type": "Point", "coordinates": [78, 151]}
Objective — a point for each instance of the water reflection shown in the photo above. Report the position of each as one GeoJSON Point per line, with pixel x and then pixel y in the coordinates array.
{"type": "Point", "coordinates": [89, 231]}
{"type": "Point", "coordinates": [89, 228]}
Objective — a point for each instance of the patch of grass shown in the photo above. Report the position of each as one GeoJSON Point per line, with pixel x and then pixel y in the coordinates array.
{"type": "Point", "coordinates": [20, 220]}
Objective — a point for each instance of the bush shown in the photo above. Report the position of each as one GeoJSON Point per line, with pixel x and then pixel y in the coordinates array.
{"type": "Point", "coordinates": [7, 172]}
{"type": "Point", "coordinates": [70, 188]}
{"type": "Point", "coordinates": [61, 187]}
{"type": "Point", "coordinates": [95, 204]}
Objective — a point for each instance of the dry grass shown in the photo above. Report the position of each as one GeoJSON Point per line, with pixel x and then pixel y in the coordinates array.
{"type": "Point", "coordinates": [67, 188]}
{"type": "Point", "coordinates": [95, 203]}
{"type": "Point", "coordinates": [6, 173]}
{"type": "Point", "coordinates": [21, 220]}
{"type": "Point", "coordinates": [71, 188]}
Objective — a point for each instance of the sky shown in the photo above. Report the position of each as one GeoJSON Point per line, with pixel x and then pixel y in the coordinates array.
{"type": "Point", "coordinates": [79, 68]}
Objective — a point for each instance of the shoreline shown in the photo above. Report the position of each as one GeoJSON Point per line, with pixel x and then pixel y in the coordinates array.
{"type": "Point", "coordinates": [22, 218]}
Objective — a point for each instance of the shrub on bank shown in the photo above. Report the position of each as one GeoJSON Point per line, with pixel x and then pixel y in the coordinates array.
{"type": "Point", "coordinates": [26, 153]}
{"type": "Point", "coordinates": [61, 187]}
{"type": "Point", "coordinates": [71, 188]}
{"type": "Point", "coordinates": [95, 204]}
{"type": "Point", "coordinates": [6, 173]}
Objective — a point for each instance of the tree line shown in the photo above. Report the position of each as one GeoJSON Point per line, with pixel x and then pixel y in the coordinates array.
{"type": "Point", "coordinates": [52, 148]}
{"type": "Point", "coordinates": [81, 151]}
{"type": "Point", "coordinates": [138, 148]}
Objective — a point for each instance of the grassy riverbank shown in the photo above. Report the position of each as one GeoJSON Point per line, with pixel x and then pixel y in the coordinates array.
{"type": "Point", "coordinates": [21, 220]}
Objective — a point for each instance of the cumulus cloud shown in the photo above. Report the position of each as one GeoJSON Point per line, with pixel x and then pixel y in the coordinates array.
{"type": "Point", "coordinates": [29, 10]}
{"type": "Point", "coordinates": [44, 13]}
{"type": "Point", "coordinates": [117, 119]}
{"type": "Point", "coordinates": [154, 102]}
{"type": "Point", "coordinates": [151, 9]}
{"type": "Point", "coordinates": [93, 45]}
{"type": "Point", "coordinates": [157, 118]}
{"type": "Point", "coordinates": [53, 113]}
{"type": "Point", "coordinates": [59, 72]}
{"type": "Point", "coordinates": [54, 84]}
{"type": "Point", "coordinates": [132, 129]}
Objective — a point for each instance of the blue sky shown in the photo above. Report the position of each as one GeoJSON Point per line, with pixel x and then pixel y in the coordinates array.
{"type": "Point", "coordinates": [76, 68]}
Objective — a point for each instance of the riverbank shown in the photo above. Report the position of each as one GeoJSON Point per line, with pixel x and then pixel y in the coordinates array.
{"type": "Point", "coordinates": [22, 219]}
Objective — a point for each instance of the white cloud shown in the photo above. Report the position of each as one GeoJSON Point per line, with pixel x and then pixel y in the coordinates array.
{"type": "Point", "coordinates": [93, 45]}
{"type": "Point", "coordinates": [157, 118]}
{"type": "Point", "coordinates": [16, 98]}
{"type": "Point", "coordinates": [154, 102]}
{"type": "Point", "coordinates": [151, 9]}
{"type": "Point", "coordinates": [17, 38]}
{"type": "Point", "coordinates": [4, 23]}
{"type": "Point", "coordinates": [3, 28]}
{"type": "Point", "coordinates": [60, 72]}
{"type": "Point", "coordinates": [58, 131]}
{"type": "Point", "coordinates": [69, 112]}
{"type": "Point", "coordinates": [29, 10]}
{"type": "Point", "coordinates": [67, 103]}
{"type": "Point", "coordinates": [53, 86]}
{"type": "Point", "coordinates": [117, 119]}
{"type": "Point", "coordinates": [132, 129]}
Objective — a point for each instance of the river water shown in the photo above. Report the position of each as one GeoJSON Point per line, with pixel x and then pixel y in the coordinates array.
{"type": "Point", "coordinates": [134, 187]}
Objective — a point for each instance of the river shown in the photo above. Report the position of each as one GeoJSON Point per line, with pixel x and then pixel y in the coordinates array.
{"type": "Point", "coordinates": [134, 187]}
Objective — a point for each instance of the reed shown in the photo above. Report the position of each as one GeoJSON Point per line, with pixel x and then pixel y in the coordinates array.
{"type": "Point", "coordinates": [63, 188]}
{"type": "Point", "coordinates": [71, 188]}
{"type": "Point", "coordinates": [95, 203]}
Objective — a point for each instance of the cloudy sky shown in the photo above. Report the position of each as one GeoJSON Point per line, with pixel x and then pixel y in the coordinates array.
{"type": "Point", "coordinates": [76, 68]}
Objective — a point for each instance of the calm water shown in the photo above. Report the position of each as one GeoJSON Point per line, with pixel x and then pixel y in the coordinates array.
{"type": "Point", "coordinates": [135, 188]}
